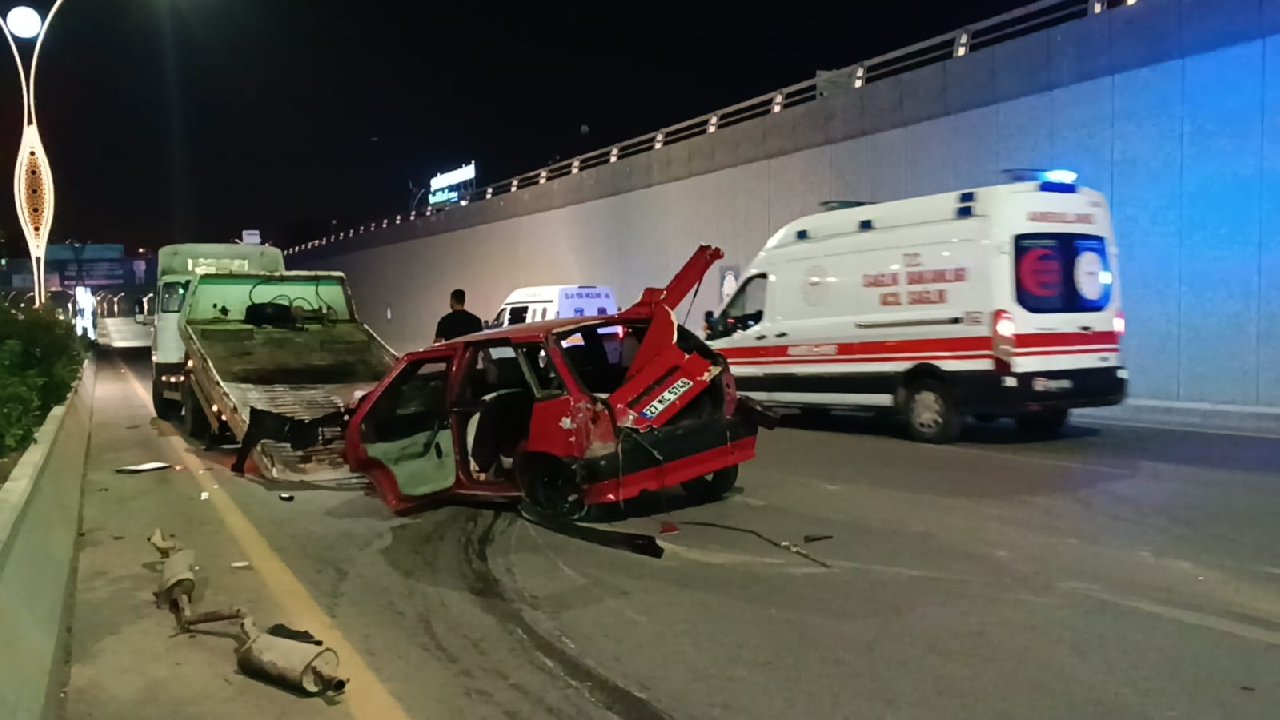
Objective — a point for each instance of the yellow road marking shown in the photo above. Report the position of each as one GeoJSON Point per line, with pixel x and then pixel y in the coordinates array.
{"type": "Point", "coordinates": [366, 698]}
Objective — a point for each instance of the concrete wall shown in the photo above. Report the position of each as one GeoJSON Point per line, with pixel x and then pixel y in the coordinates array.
{"type": "Point", "coordinates": [39, 521]}
{"type": "Point", "coordinates": [1171, 108]}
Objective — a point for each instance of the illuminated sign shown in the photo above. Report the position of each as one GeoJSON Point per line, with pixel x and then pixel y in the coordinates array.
{"type": "Point", "coordinates": [452, 187]}
{"type": "Point", "coordinates": [454, 177]}
{"type": "Point", "coordinates": [440, 197]}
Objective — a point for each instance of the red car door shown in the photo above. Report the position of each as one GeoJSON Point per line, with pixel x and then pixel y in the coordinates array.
{"type": "Point", "coordinates": [402, 435]}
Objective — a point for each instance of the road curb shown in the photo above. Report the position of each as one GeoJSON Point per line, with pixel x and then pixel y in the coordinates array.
{"type": "Point", "coordinates": [1205, 417]}
{"type": "Point", "coordinates": [39, 521]}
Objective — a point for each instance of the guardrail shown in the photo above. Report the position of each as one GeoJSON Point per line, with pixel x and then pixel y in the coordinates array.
{"type": "Point", "coordinates": [974, 38]}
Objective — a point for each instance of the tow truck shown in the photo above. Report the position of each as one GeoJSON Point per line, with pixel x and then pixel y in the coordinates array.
{"type": "Point", "coordinates": [273, 361]}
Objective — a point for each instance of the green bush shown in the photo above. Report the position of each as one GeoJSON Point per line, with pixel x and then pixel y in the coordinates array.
{"type": "Point", "coordinates": [40, 358]}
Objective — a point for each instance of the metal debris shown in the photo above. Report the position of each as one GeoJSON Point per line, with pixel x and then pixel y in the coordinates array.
{"type": "Point", "coordinates": [143, 468]}
{"type": "Point", "coordinates": [293, 659]}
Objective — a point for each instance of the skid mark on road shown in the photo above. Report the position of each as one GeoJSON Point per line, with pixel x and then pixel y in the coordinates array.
{"type": "Point", "coordinates": [1029, 458]}
{"type": "Point", "coordinates": [367, 698]}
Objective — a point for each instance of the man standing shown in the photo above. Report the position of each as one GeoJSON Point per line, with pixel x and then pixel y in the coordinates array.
{"type": "Point", "coordinates": [458, 322]}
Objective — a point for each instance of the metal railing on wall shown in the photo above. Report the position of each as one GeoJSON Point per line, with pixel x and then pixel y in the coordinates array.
{"type": "Point", "coordinates": [960, 43]}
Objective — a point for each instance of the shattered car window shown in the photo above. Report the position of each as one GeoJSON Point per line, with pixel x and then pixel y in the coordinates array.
{"type": "Point", "coordinates": [600, 356]}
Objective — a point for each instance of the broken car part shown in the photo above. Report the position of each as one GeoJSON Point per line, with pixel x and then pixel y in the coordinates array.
{"type": "Point", "coordinates": [296, 665]}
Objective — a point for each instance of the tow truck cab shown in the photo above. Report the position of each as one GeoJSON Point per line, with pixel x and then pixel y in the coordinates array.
{"type": "Point", "coordinates": [177, 267]}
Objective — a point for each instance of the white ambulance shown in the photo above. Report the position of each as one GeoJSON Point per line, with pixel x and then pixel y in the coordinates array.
{"type": "Point", "coordinates": [1002, 301]}
{"type": "Point", "coordinates": [548, 302]}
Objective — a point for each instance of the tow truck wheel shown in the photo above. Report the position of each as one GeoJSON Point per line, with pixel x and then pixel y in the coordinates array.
{"type": "Point", "coordinates": [713, 487]}
{"type": "Point", "coordinates": [931, 416]}
{"type": "Point", "coordinates": [195, 424]}
{"type": "Point", "coordinates": [1044, 423]}
{"type": "Point", "coordinates": [165, 408]}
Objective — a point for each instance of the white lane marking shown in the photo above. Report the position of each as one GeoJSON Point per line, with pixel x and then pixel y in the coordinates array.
{"type": "Point", "coordinates": [1031, 458]}
{"type": "Point", "coordinates": [1191, 617]}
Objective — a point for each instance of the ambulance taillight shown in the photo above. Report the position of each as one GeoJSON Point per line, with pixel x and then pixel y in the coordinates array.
{"type": "Point", "coordinates": [1003, 331]}
{"type": "Point", "coordinates": [1118, 325]}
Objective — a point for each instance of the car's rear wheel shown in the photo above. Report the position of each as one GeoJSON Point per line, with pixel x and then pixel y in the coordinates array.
{"type": "Point", "coordinates": [1045, 423]}
{"type": "Point", "coordinates": [931, 414]}
{"type": "Point", "coordinates": [713, 487]}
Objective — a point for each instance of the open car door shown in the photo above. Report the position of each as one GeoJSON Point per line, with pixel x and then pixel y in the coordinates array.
{"type": "Point", "coordinates": [402, 435]}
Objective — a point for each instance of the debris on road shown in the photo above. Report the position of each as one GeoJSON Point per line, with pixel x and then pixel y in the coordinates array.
{"type": "Point", "coordinates": [293, 659]}
{"type": "Point", "coordinates": [816, 538]}
{"type": "Point", "coordinates": [177, 577]}
{"type": "Point", "coordinates": [286, 497]}
{"type": "Point", "coordinates": [781, 544]}
{"type": "Point", "coordinates": [302, 666]}
{"type": "Point", "coordinates": [143, 468]}
{"type": "Point", "coordinates": [204, 495]}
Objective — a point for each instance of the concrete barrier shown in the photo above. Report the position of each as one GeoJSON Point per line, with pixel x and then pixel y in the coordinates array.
{"type": "Point", "coordinates": [39, 522]}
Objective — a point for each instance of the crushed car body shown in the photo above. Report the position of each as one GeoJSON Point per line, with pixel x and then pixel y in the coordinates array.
{"type": "Point", "coordinates": [568, 415]}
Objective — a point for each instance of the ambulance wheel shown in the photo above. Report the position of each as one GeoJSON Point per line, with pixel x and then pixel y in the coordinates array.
{"type": "Point", "coordinates": [1045, 423]}
{"type": "Point", "coordinates": [195, 424]}
{"type": "Point", "coordinates": [931, 416]}
{"type": "Point", "coordinates": [165, 408]}
{"type": "Point", "coordinates": [713, 487]}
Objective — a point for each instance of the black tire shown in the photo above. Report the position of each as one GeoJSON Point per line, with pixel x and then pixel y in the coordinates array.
{"type": "Point", "coordinates": [195, 424]}
{"type": "Point", "coordinates": [931, 414]}
{"type": "Point", "coordinates": [1045, 423]}
{"type": "Point", "coordinates": [712, 488]}
{"type": "Point", "coordinates": [552, 490]}
{"type": "Point", "coordinates": [165, 408]}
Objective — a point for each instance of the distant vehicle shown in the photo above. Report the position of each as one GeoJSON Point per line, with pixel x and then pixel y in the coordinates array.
{"type": "Point", "coordinates": [538, 411]}
{"type": "Point", "coordinates": [176, 267]}
{"type": "Point", "coordinates": [1002, 301]}
{"type": "Point", "coordinates": [552, 302]}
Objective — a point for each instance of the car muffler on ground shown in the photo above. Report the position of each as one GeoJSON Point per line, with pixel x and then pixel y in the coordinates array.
{"type": "Point", "coordinates": [292, 659]}
{"type": "Point", "coordinates": [307, 667]}
{"type": "Point", "coordinates": [177, 577]}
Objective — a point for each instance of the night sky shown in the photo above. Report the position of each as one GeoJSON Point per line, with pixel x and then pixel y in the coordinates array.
{"type": "Point", "coordinates": [189, 120]}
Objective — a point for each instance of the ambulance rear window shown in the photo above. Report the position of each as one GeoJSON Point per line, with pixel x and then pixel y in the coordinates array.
{"type": "Point", "coordinates": [1062, 273]}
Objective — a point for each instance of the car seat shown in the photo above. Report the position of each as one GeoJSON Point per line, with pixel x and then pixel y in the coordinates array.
{"type": "Point", "coordinates": [508, 396]}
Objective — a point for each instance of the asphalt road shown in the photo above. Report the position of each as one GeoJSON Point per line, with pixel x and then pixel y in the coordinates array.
{"type": "Point", "coordinates": [1116, 572]}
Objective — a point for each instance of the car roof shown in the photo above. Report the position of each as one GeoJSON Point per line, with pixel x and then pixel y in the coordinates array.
{"type": "Point", "coordinates": [534, 331]}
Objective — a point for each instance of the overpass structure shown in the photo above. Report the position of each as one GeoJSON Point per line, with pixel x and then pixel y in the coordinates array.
{"type": "Point", "coordinates": [1170, 107]}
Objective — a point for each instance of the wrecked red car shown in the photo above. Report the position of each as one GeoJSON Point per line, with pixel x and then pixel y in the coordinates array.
{"type": "Point", "coordinates": [567, 415]}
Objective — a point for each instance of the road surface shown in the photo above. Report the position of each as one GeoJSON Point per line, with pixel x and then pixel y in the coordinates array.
{"type": "Point", "coordinates": [1117, 572]}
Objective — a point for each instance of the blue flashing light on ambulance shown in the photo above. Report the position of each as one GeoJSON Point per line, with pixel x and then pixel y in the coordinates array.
{"type": "Point", "coordinates": [1001, 301]}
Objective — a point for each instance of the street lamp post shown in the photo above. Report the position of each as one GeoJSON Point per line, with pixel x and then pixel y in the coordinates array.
{"type": "Point", "coordinates": [32, 176]}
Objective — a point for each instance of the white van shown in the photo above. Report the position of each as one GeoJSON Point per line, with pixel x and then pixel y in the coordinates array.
{"type": "Point", "coordinates": [548, 302]}
{"type": "Point", "coordinates": [1002, 301]}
